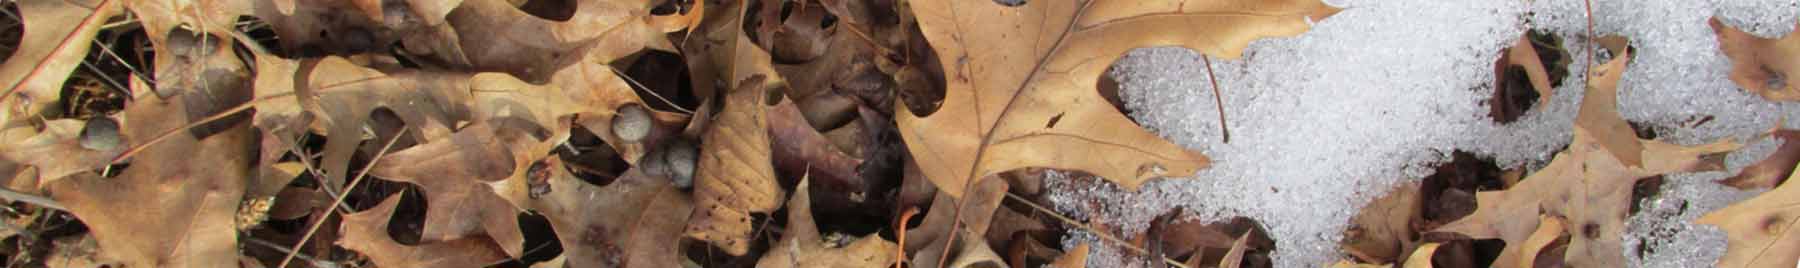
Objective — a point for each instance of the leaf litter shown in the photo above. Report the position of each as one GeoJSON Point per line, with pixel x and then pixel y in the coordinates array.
{"type": "Point", "coordinates": [507, 133]}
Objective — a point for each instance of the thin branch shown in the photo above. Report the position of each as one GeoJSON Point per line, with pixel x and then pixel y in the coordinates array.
{"type": "Point", "coordinates": [652, 92]}
{"type": "Point", "coordinates": [1217, 99]}
{"type": "Point", "coordinates": [38, 200]}
{"type": "Point", "coordinates": [340, 198]}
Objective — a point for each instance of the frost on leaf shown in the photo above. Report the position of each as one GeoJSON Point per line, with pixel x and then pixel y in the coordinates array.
{"type": "Point", "coordinates": [1020, 82]}
{"type": "Point", "coordinates": [1588, 185]}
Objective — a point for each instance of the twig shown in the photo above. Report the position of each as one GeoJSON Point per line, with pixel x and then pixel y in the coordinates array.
{"type": "Point", "coordinates": [31, 199]}
{"type": "Point", "coordinates": [1102, 234]}
{"type": "Point", "coordinates": [900, 235]}
{"type": "Point", "coordinates": [651, 91]}
{"type": "Point", "coordinates": [1217, 99]}
{"type": "Point", "coordinates": [340, 198]}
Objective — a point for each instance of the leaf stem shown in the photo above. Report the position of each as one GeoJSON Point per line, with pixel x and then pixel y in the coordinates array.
{"type": "Point", "coordinates": [1217, 98]}
{"type": "Point", "coordinates": [340, 198]}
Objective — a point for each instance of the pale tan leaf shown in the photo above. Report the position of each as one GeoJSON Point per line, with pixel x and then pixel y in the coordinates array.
{"type": "Point", "coordinates": [1772, 170]}
{"type": "Point", "coordinates": [1760, 65]}
{"type": "Point", "coordinates": [367, 232]}
{"type": "Point", "coordinates": [632, 222]}
{"type": "Point", "coordinates": [1021, 82]}
{"type": "Point", "coordinates": [1589, 184]}
{"type": "Point", "coordinates": [801, 245]}
{"type": "Point", "coordinates": [1421, 257]}
{"type": "Point", "coordinates": [194, 183]}
{"type": "Point", "coordinates": [57, 36]}
{"type": "Point", "coordinates": [1760, 231]}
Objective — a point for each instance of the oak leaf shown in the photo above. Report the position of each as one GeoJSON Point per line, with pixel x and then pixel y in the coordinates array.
{"type": "Point", "coordinates": [336, 96]}
{"type": "Point", "coordinates": [176, 205]}
{"type": "Point", "coordinates": [1589, 184]}
{"type": "Point", "coordinates": [735, 176]}
{"type": "Point", "coordinates": [801, 245]}
{"type": "Point", "coordinates": [1021, 82]}
{"type": "Point", "coordinates": [632, 222]}
{"type": "Point", "coordinates": [367, 232]}
{"type": "Point", "coordinates": [1772, 170]}
{"type": "Point", "coordinates": [1760, 231]}
{"type": "Point", "coordinates": [57, 35]}
{"type": "Point", "coordinates": [465, 178]}
{"type": "Point", "coordinates": [1382, 230]}
{"type": "Point", "coordinates": [1758, 64]}
{"type": "Point", "coordinates": [28, 146]}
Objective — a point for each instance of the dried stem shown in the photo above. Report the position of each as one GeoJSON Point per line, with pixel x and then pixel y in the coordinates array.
{"type": "Point", "coordinates": [38, 200]}
{"type": "Point", "coordinates": [1102, 234]}
{"type": "Point", "coordinates": [340, 198]}
{"type": "Point", "coordinates": [1217, 98]}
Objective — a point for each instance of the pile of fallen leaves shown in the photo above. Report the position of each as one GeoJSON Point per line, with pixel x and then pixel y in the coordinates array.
{"type": "Point", "coordinates": [675, 133]}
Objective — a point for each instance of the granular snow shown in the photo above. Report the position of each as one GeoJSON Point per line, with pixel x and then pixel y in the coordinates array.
{"type": "Point", "coordinates": [1375, 95]}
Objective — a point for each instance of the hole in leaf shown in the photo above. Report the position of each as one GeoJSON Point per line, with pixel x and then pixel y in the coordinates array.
{"type": "Point", "coordinates": [1449, 193]}
{"type": "Point", "coordinates": [1513, 95]}
{"type": "Point", "coordinates": [556, 10]}
{"type": "Point", "coordinates": [1643, 190]}
{"type": "Point", "coordinates": [671, 7]}
{"type": "Point", "coordinates": [662, 75]}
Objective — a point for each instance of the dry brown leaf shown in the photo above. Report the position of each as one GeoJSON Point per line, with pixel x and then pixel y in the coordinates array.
{"type": "Point", "coordinates": [1772, 170]}
{"type": "Point", "coordinates": [978, 213]}
{"type": "Point", "coordinates": [1421, 257]}
{"type": "Point", "coordinates": [1382, 231]}
{"type": "Point", "coordinates": [632, 222]}
{"type": "Point", "coordinates": [798, 150]}
{"type": "Point", "coordinates": [367, 232]}
{"type": "Point", "coordinates": [801, 245]}
{"type": "Point", "coordinates": [1519, 69]}
{"type": "Point", "coordinates": [1075, 258]}
{"type": "Point", "coordinates": [57, 34]}
{"type": "Point", "coordinates": [341, 95]}
{"type": "Point", "coordinates": [968, 253]}
{"type": "Point", "coordinates": [493, 35]}
{"type": "Point", "coordinates": [734, 177]}
{"type": "Point", "coordinates": [466, 178]}
{"type": "Point", "coordinates": [1235, 257]}
{"type": "Point", "coordinates": [194, 182]}
{"type": "Point", "coordinates": [77, 252]}
{"type": "Point", "coordinates": [1549, 230]}
{"type": "Point", "coordinates": [719, 53]}
{"type": "Point", "coordinates": [1589, 184]}
{"type": "Point", "coordinates": [1522, 54]}
{"type": "Point", "coordinates": [1020, 82]}
{"type": "Point", "coordinates": [1761, 230]}
{"type": "Point", "coordinates": [1349, 264]}
{"type": "Point", "coordinates": [1758, 64]}
{"type": "Point", "coordinates": [27, 146]}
